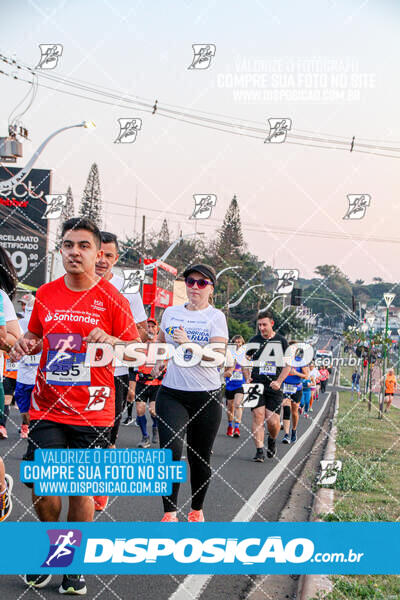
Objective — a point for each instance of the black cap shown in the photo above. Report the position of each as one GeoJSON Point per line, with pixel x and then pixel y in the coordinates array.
{"type": "Point", "coordinates": [205, 270]}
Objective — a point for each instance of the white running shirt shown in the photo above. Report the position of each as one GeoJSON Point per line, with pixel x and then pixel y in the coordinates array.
{"type": "Point", "coordinates": [200, 327]}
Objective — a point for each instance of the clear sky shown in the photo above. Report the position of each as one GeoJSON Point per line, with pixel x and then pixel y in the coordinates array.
{"type": "Point", "coordinates": [333, 48]}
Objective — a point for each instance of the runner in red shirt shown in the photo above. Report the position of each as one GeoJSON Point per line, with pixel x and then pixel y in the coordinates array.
{"type": "Point", "coordinates": [73, 403]}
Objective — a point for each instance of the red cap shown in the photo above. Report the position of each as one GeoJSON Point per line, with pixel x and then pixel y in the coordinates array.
{"type": "Point", "coordinates": [150, 320]}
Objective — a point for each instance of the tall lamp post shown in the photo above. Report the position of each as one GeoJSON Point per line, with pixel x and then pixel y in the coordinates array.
{"type": "Point", "coordinates": [388, 298]}
{"type": "Point", "coordinates": [370, 321]}
{"type": "Point", "coordinates": [8, 184]}
{"type": "Point", "coordinates": [398, 356]}
{"type": "Point", "coordinates": [364, 329]}
{"type": "Point", "coordinates": [227, 269]}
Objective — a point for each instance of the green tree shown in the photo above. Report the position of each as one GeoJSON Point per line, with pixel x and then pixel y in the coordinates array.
{"type": "Point", "coordinates": [160, 242]}
{"type": "Point", "coordinates": [68, 211]}
{"type": "Point", "coordinates": [91, 204]}
{"type": "Point", "coordinates": [230, 236]}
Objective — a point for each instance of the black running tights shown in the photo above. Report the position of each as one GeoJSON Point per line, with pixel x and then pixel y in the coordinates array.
{"type": "Point", "coordinates": [198, 414]}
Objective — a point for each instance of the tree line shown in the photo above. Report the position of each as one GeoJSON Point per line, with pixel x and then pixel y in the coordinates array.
{"type": "Point", "coordinates": [228, 249]}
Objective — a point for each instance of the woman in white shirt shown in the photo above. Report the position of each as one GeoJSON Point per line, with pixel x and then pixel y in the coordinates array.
{"type": "Point", "coordinates": [189, 399]}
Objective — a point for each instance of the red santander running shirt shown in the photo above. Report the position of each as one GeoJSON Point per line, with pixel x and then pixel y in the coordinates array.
{"type": "Point", "coordinates": [67, 390]}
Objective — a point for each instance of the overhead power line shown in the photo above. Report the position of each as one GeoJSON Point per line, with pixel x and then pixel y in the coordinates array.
{"type": "Point", "coordinates": [195, 117]}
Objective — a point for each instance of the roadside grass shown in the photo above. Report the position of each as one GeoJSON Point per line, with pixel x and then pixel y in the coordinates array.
{"type": "Point", "coordinates": [345, 375]}
{"type": "Point", "coordinates": [367, 488]}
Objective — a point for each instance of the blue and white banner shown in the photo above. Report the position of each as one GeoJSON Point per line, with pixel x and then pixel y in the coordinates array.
{"type": "Point", "coordinates": [207, 548]}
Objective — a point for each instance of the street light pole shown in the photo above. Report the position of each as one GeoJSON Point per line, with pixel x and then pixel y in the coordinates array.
{"type": "Point", "coordinates": [398, 355]}
{"type": "Point", "coordinates": [8, 184]}
{"type": "Point", "coordinates": [169, 250]}
{"type": "Point", "coordinates": [370, 321]}
{"type": "Point", "coordinates": [233, 304]}
{"type": "Point", "coordinates": [388, 298]}
{"type": "Point", "coordinates": [272, 301]}
{"type": "Point", "coordinates": [227, 269]}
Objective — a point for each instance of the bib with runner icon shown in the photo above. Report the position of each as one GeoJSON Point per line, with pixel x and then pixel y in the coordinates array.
{"type": "Point", "coordinates": [269, 368]}
{"type": "Point", "coordinates": [63, 368]}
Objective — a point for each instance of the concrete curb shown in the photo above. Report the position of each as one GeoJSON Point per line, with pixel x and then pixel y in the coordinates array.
{"type": "Point", "coordinates": [310, 585]}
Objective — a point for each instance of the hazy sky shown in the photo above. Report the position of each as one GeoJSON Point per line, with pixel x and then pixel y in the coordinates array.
{"type": "Point", "coordinates": [343, 50]}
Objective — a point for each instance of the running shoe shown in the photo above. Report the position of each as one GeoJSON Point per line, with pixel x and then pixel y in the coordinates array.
{"type": "Point", "coordinates": [100, 502]}
{"type": "Point", "coordinates": [286, 439]}
{"type": "Point", "coordinates": [37, 581]}
{"type": "Point", "coordinates": [73, 584]}
{"type": "Point", "coordinates": [281, 426]}
{"type": "Point", "coordinates": [305, 415]}
{"type": "Point", "coordinates": [169, 518]}
{"type": "Point", "coordinates": [127, 421]}
{"type": "Point", "coordinates": [310, 410]}
{"type": "Point", "coordinates": [5, 499]}
{"type": "Point", "coordinates": [3, 433]}
{"type": "Point", "coordinates": [271, 449]}
{"type": "Point", "coordinates": [155, 439]}
{"type": "Point", "coordinates": [293, 437]}
{"type": "Point", "coordinates": [300, 410]}
{"type": "Point", "coordinates": [196, 516]}
{"type": "Point", "coordinates": [145, 443]}
{"type": "Point", "coordinates": [260, 456]}
{"type": "Point", "coordinates": [229, 431]}
{"type": "Point", "coordinates": [24, 432]}
{"type": "Point", "coordinates": [236, 432]}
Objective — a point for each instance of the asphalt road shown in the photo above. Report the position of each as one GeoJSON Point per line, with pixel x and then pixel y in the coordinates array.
{"type": "Point", "coordinates": [235, 479]}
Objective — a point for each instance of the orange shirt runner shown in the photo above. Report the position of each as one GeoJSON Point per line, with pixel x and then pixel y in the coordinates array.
{"type": "Point", "coordinates": [390, 384]}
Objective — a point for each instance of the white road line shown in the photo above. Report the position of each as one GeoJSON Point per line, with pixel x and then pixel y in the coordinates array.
{"type": "Point", "coordinates": [193, 585]}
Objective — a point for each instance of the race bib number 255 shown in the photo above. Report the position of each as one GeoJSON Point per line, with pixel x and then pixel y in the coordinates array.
{"type": "Point", "coordinates": [67, 369]}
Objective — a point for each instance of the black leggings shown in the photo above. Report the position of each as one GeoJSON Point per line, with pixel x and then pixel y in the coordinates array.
{"type": "Point", "coordinates": [198, 414]}
{"type": "Point", "coordinates": [121, 390]}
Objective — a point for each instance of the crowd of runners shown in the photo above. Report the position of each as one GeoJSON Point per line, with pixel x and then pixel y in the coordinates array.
{"type": "Point", "coordinates": [66, 402]}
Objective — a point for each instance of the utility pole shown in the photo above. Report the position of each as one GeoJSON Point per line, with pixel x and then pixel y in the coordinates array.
{"type": "Point", "coordinates": [135, 212]}
{"type": "Point", "coordinates": [143, 233]}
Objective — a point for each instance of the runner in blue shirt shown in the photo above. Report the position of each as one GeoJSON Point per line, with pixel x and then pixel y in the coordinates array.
{"type": "Point", "coordinates": [234, 390]}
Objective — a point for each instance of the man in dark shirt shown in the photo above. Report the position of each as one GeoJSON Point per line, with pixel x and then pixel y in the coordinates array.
{"type": "Point", "coordinates": [271, 373]}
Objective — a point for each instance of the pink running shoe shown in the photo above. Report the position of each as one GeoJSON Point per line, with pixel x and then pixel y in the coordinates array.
{"type": "Point", "coordinates": [24, 432]}
{"type": "Point", "coordinates": [196, 516]}
{"type": "Point", "coordinates": [169, 518]}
